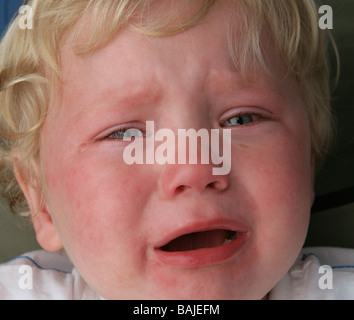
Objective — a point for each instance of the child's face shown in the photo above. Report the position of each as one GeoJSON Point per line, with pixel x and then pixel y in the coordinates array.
{"type": "Point", "coordinates": [113, 219]}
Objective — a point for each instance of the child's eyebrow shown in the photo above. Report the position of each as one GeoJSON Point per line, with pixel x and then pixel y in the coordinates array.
{"type": "Point", "coordinates": [233, 83]}
{"type": "Point", "coordinates": [113, 99]}
{"type": "Point", "coordinates": [137, 94]}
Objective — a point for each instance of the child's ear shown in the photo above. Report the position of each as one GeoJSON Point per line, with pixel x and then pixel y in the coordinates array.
{"type": "Point", "coordinates": [46, 233]}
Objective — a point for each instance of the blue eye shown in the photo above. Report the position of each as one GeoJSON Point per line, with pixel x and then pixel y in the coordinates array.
{"type": "Point", "coordinates": [126, 133]}
{"type": "Point", "coordinates": [240, 120]}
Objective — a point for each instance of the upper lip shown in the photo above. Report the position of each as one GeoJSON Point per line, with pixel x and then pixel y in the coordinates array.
{"type": "Point", "coordinates": [200, 226]}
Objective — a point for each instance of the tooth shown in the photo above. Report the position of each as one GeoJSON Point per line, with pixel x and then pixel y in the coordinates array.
{"type": "Point", "coordinates": [231, 237]}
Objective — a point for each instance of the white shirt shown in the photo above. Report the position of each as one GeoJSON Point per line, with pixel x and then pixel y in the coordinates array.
{"type": "Point", "coordinates": [318, 274]}
{"type": "Point", "coordinates": [41, 275]}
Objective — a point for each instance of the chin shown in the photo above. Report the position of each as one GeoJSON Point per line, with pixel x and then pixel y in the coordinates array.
{"type": "Point", "coordinates": [216, 282]}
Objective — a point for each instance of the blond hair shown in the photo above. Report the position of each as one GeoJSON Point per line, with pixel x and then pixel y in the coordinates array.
{"type": "Point", "coordinates": [29, 63]}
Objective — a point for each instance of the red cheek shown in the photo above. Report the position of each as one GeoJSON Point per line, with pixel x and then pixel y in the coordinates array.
{"type": "Point", "coordinates": [138, 189]}
{"type": "Point", "coordinates": [78, 204]}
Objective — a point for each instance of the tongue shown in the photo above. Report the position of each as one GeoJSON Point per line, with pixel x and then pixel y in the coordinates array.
{"type": "Point", "coordinates": [198, 240]}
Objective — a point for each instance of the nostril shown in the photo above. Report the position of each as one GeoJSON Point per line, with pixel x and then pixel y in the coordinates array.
{"type": "Point", "coordinates": [178, 179]}
{"type": "Point", "coordinates": [212, 185]}
{"type": "Point", "coordinates": [180, 189]}
{"type": "Point", "coordinates": [218, 185]}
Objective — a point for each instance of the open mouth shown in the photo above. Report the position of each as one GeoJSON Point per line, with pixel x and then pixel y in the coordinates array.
{"type": "Point", "coordinates": [202, 247]}
{"type": "Point", "coordinates": [200, 240]}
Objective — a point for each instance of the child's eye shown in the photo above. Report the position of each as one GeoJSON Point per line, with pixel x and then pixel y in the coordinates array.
{"type": "Point", "coordinates": [126, 133]}
{"type": "Point", "coordinates": [242, 119]}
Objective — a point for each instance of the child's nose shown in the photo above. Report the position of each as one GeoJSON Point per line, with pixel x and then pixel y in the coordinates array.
{"type": "Point", "coordinates": [179, 178]}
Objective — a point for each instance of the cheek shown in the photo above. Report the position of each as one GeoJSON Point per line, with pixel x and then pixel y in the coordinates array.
{"type": "Point", "coordinates": [99, 215]}
{"type": "Point", "coordinates": [276, 175]}
{"type": "Point", "coordinates": [274, 179]}
{"type": "Point", "coordinates": [95, 203]}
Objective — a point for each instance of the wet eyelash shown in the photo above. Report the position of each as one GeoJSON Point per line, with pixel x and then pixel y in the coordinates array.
{"type": "Point", "coordinates": [124, 132]}
{"type": "Point", "coordinates": [250, 115]}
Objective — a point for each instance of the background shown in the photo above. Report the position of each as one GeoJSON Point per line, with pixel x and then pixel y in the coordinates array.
{"type": "Point", "coordinates": [332, 221]}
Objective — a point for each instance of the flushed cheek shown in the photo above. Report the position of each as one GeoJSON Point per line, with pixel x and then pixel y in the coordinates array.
{"type": "Point", "coordinates": [277, 177]}
{"type": "Point", "coordinates": [97, 211]}
{"type": "Point", "coordinates": [279, 162]}
{"type": "Point", "coordinates": [97, 200]}
{"type": "Point", "coordinates": [102, 240]}
{"type": "Point", "coordinates": [276, 173]}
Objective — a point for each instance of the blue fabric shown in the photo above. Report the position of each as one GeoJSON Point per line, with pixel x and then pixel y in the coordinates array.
{"type": "Point", "coordinates": [8, 8]}
{"type": "Point", "coordinates": [37, 265]}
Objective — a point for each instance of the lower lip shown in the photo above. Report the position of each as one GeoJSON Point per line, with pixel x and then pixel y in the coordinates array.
{"type": "Point", "coordinates": [202, 257]}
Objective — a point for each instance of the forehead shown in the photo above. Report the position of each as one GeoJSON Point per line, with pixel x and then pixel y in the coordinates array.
{"type": "Point", "coordinates": [132, 62]}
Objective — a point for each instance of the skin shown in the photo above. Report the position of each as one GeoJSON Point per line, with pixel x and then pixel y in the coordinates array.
{"type": "Point", "coordinates": [110, 216]}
